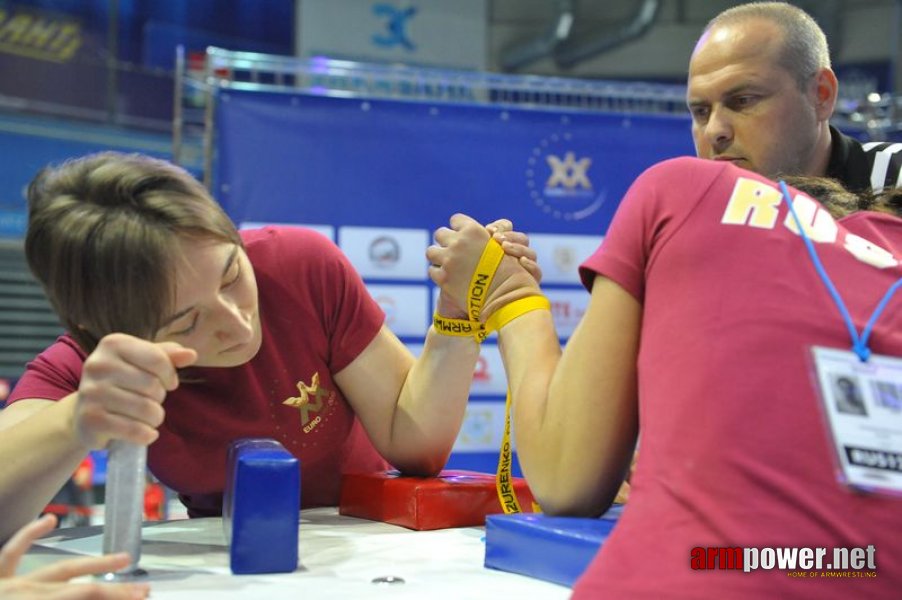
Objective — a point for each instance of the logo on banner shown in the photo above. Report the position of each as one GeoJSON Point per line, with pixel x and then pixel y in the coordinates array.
{"type": "Point", "coordinates": [565, 313]}
{"type": "Point", "coordinates": [564, 258]}
{"type": "Point", "coordinates": [481, 372]}
{"type": "Point", "coordinates": [50, 38]}
{"type": "Point", "coordinates": [387, 304]}
{"type": "Point", "coordinates": [385, 252]}
{"type": "Point", "coordinates": [477, 429]}
{"type": "Point", "coordinates": [395, 20]}
{"type": "Point", "coordinates": [568, 174]}
{"type": "Point", "coordinates": [559, 179]}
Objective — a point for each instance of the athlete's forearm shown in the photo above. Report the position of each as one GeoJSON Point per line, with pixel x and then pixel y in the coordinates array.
{"type": "Point", "coordinates": [40, 453]}
{"type": "Point", "coordinates": [531, 352]}
{"type": "Point", "coordinates": [570, 422]}
{"type": "Point", "coordinates": [432, 403]}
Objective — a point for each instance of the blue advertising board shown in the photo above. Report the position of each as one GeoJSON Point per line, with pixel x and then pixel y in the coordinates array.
{"type": "Point", "coordinates": [403, 163]}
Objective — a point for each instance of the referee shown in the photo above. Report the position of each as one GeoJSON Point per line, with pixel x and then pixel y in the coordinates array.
{"type": "Point", "coordinates": [761, 92]}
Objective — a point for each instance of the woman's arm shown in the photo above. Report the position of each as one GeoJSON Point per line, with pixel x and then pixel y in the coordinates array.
{"type": "Point", "coordinates": [40, 452]}
{"type": "Point", "coordinates": [575, 413]}
{"type": "Point", "coordinates": [411, 408]}
{"type": "Point", "coordinates": [120, 396]}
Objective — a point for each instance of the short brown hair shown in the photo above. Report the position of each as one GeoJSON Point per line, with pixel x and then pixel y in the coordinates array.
{"type": "Point", "coordinates": [840, 202]}
{"type": "Point", "coordinates": [805, 50]}
{"type": "Point", "coordinates": [103, 235]}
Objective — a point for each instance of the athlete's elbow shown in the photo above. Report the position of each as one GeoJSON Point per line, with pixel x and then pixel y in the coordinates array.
{"type": "Point", "coordinates": [574, 495]}
{"type": "Point", "coordinates": [421, 464]}
{"type": "Point", "coordinates": [572, 504]}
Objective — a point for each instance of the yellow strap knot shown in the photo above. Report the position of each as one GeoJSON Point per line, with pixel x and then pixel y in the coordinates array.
{"type": "Point", "coordinates": [479, 288]}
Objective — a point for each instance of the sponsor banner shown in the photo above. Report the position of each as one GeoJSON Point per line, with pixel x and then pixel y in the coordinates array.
{"type": "Point", "coordinates": [421, 32]}
{"type": "Point", "coordinates": [561, 255]}
{"type": "Point", "coordinates": [45, 36]}
{"type": "Point", "coordinates": [549, 171]}
{"type": "Point", "coordinates": [546, 171]}
{"type": "Point", "coordinates": [567, 309]}
{"type": "Point", "coordinates": [326, 230]}
{"type": "Point", "coordinates": [488, 376]}
{"type": "Point", "coordinates": [405, 307]}
{"type": "Point", "coordinates": [386, 253]}
{"type": "Point", "coordinates": [482, 429]}
{"type": "Point", "coordinates": [58, 62]}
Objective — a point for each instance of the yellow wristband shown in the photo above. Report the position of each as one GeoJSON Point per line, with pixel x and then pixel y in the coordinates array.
{"type": "Point", "coordinates": [456, 327]}
{"type": "Point", "coordinates": [479, 285]}
{"type": "Point", "coordinates": [517, 308]}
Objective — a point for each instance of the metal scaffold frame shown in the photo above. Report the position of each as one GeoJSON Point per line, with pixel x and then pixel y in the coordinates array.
{"type": "Point", "coordinates": [196, 92]}
{"type": "Point", "coordinates": [878, 116]}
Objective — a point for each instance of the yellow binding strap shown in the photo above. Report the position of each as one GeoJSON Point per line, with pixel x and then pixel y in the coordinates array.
{"type": "Point", "coordinates": [517, 308]}
{"type": "Point", "coordinates": [479, 288]}
{"type": "Point", "coordinates": [482, 278]}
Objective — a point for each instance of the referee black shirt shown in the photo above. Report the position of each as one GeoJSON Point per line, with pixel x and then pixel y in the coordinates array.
{"type": "Point", "coordinates": [860, 167]}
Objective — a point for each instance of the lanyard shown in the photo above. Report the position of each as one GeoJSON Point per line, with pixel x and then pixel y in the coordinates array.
{"type": "Point", "coordinates": [859, 343]}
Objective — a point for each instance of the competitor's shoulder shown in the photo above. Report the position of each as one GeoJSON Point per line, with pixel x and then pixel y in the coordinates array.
{"type": "Point", "coordinates": [64, 346]}
{"type": "Point", "coordinates": [275, 248]}
{"type": "Point", "coordinates": [687, 165]}
{"type": "Point", "coordinates": [286, 234]}
{"type": "Point", "coordinates": [691, 173]}
{"type": "Point", "coordinates": [285, 238]}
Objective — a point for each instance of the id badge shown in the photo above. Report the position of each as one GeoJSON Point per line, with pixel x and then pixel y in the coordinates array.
{"type": "Point", "coordinates": [862, 402]}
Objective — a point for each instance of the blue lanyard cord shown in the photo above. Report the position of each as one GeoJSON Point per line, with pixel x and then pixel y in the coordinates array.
{"type": "Point", "coordinates": [877, 312]}
{"type": "Point", "coordinates": [859, 344]}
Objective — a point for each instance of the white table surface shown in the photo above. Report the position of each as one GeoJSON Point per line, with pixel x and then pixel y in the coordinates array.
{"type": "Point", "coordinates": [339, 558]}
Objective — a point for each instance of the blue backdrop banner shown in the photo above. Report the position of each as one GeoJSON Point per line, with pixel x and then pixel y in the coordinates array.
{"type": "Point", "coordinates": [326, 160]}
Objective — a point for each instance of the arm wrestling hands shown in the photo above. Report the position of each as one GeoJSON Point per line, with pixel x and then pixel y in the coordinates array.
{"type": "Point", "coordinates": [454, 257]}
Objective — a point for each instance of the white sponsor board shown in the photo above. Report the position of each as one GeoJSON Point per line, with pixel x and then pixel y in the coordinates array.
{"type": "Point", "coordinates": [560, 255]}
{"type": "Point", "coordinates": [482, 428]}
{"type": "Point", "coordinates": [405, 307]}
{"type": "Point", "coordinates": [567, 309]}
{"type": "Point", "coordinates": [386, 253]}
{"type": "Point", "coordinates": [423, 32]}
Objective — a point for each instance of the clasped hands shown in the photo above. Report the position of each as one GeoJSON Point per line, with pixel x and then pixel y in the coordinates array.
{"type": "Point", "coordinates": [456, 253]}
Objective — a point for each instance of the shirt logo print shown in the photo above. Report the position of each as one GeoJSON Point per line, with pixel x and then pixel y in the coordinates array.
{"type": "Point", "coordinates": [305, 405]}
